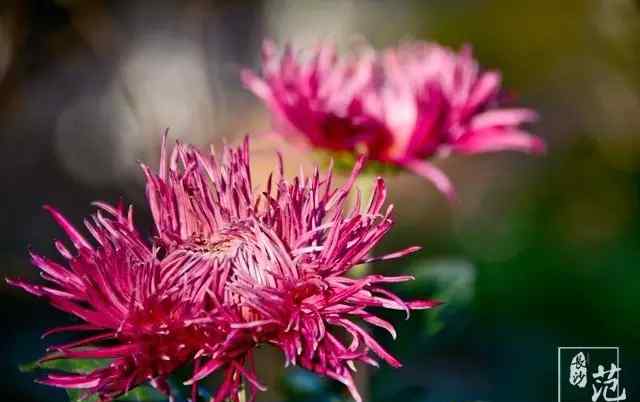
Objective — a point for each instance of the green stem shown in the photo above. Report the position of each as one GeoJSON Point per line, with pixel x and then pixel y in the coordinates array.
{"type": "Point", "coordinates": [242, 395]}
{"type": "Point", "coordinates": [366, 184]}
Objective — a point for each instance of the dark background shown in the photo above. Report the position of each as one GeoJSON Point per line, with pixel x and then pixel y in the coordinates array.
{"type": "Point", "coordinates": [539, 253]}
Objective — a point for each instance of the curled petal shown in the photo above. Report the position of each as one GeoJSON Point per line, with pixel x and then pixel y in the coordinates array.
{"type": "Point", "coordinates": [435, 176]}
{"type": "Point", "coordinates": [491, 140]}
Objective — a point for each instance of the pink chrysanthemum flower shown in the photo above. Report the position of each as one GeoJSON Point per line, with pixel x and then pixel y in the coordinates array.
{"type": "Point", "coordinates": [113, 289]}
{"type": "Point", "coordinates": [275, 262]}
{"type": "Point", "coordinates": [399, 106]}
{"type": "Point", "coordinates": [142, 317]}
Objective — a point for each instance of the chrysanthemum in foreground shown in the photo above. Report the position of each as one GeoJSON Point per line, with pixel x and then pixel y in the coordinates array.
{"type": "Point", "coordinates": [399, 106]}
{"type": "Point", "coordinates": [275, 262]}
{"type": "Point", "coordinates": [230, 269]}
{"type": "Point", "coordinates": [145, 318]}
{"type": "Point", "coordinates": [114, 289]}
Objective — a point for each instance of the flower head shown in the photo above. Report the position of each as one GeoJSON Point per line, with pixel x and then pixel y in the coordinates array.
{"type": "Point", "coordinates": [144, 317]}
{"type": "Point", "coordinates": [399, 106]}
{"type": "Point", "coordinates": [114, 289]}
{"type": "Point", "coordinates": [230, 269]}
{"type": "Point", "coordinates": [276, 262]}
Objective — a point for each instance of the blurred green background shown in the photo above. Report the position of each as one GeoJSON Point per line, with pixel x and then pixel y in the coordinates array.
{"type": "Point", "coordinates": [538, 253]}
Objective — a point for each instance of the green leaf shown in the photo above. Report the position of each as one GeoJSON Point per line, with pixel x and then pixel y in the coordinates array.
{"type": "Point", "coordinates": [75, 395]}
{"type": "Point", "coordinates": [453, 282]}
{"type": "Point", "coordinates": [70, 365]}
{"type": "Point", "coordinates": [453, 279]}
{"type": "Point", "coordinates": [82, 366]}
{"type": "Point", "coordinates": [28, 367]}
{"type": "Point", "coordinates": [143, 393]}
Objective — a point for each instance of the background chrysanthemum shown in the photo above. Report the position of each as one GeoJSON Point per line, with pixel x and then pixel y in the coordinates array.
{"type": "Point", "coordinates": [398, 106]}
